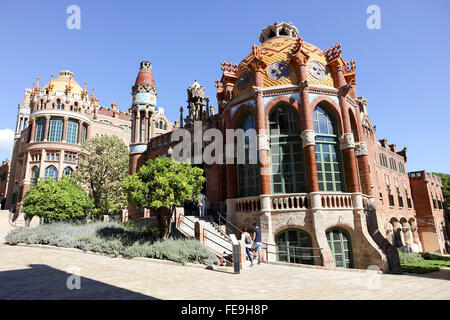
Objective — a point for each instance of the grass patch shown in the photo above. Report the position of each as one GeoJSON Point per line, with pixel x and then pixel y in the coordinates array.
{"type": "Point", "coordinates": [114, 239]}
{"type": "Point", "coordinates": [422, 263]}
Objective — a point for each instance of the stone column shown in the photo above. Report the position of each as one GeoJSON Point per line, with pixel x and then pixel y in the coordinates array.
{"type": "Point", "coordinates": [363, 166]}
{"type": "Point", "coordinates": [61, 164]}
{"type": "Point", "coordinates": [138, 130]}
{"type": "Point", "coordinates": [47, 127]}
{"type": "Point", "coordinates": [64, 133]}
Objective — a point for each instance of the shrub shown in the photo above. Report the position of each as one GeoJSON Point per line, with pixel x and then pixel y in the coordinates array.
{"type": "Point", "coordinates": [409, 257]}
{"type": "Point", "coordinates": [434, 256]}
{"type": "Point", "coordinates": [114, 239]}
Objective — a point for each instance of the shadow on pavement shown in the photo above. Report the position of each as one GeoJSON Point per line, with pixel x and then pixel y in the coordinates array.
{"type": "Point", "coordinates": [42, 282]}
{"type": "Point", "coordinates": [443, 274]}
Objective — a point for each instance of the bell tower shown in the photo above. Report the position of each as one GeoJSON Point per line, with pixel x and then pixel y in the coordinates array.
{"type": "Point", "coordinates": [143, 107]}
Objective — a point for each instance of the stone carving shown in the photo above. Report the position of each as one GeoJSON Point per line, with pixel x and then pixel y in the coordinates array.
{"type": "Point", "coordinates": [360, 149]}
{"type": "Point", "coordinates": [347, 141]}
{"type": "Point", "coordinates": [343, 91]}
{"type": "Point", "coordinates": [308, 138]}
{"type": "Point", "coordinates": [258, 91]}
{"type": "Point", "coordinates": [263, 142]}
{"type": "Point", "coordinates": [303, 84]}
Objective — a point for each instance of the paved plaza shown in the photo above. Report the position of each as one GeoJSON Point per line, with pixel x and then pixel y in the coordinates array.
{"type": "Point", "coordinates": [42, 273]}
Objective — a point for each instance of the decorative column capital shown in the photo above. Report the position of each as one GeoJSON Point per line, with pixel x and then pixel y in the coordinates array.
{"type": "Point", "coordinates": [360, 149]}
{"type": "Point", "coordinates": [346, 141]}
{"type": "Point", "coordinates": [304, 85]}
{"type": "Point", "coordinates": [257, 91]}
{"type": "Point", "coordinates": [344, 90]}
{"type": "Point", "coordinates": [263, 142]}
{"type": "Point", "coordinates": [308, 138]}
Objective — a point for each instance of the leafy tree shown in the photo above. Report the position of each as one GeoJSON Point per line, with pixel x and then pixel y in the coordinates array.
{"type": "Point", "coordinates": [164, 184]}
{"type": "Point", "coordinates": [57, 200]}
{"type": "Point", "coordinates": [102, 168]}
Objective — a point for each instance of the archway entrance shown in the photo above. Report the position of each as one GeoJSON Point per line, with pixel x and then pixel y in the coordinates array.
{"type": "Point", "coordinates": [341, 247]}
{"type": "Point", "coordinates": [294, 246]}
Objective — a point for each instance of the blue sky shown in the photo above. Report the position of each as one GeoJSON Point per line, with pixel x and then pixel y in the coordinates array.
{"type": "Point", "coordinates": [402, 69]}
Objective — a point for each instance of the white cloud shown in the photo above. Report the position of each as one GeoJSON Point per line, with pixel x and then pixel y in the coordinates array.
{"type": "Point", "coordinates": [6, 139]}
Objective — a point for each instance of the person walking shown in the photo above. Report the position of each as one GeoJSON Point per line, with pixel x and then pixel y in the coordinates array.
{"type": "Point", "coordinates": [257, 242]}
{"type": "Point", "coordinates": [248, 244]}
{"type": "Point", "coordinates": [202, 206]}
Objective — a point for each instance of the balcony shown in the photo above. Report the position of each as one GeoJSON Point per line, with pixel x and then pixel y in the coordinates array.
{"type": "Point", "coordinates": [297, 202]}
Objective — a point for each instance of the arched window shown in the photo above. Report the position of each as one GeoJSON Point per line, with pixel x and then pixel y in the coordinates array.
{"type": "Point", "coordinates": [58, 104]}
{"type": "Point", "coordinates": [72, 131]}
{"type": "Point", "coordinates": [83, 134]}
{"type": "Point", "coordinates": [68, 171]}
{"type": "Point", "coordinates": [341, 247]}
{"type": "Point", "coordinates": [328, 157]}
{"type": "Point", "coordinates": [294, 246]}
{"type": "Point", "coordinates": [34, 175]}
{"type": "Point", "coordinates": [286, 151]}
{"type": "Point", "coordinates": [40, 128]}
{"type": "Point", "coordinates": [51, 173]}
{"type": "Point", "coordinates": [56, 128]}
{"type": "Point", "coordinates": [248, 173]}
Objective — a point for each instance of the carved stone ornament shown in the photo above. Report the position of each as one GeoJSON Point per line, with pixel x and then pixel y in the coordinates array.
{"type": "Point", "coordinates": [258, 91]}
{"type": "Point", "coordinates": [347, 141]}
{"type": "Point", "coordinates": [263, 142]}
{"type": "Point", "coordinates": [343, 91]}
{"type": "Point", "coordinates": [360, 149]}
{"type": "Point", "coordinates": [303, 84]}
{"type": "Point", "coordinates": [308, 138]}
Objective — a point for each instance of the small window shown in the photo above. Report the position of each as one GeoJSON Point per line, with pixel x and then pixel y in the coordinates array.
{"type": "Point", "coordinates": [391, 200]}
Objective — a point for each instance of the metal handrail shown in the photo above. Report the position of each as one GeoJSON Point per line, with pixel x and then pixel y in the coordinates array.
{"type": "Point", "coordinates": [228, 222]}
{"type": "Point", "coordinates": [294, 248]}
{"type": "Point", "coordinates": [205, 237]}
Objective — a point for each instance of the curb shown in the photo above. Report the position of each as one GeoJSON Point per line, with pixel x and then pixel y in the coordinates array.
{"type": "Point", "coordinates": [153, 260]}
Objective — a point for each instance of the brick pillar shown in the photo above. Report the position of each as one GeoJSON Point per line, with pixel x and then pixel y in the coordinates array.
{"type": "Point", "coordinates": [231, 174]}
{"type": "Point", "coordinates": [33, 129]}
{"type": "Point", "coordinates": [299, 60]}
{"type": "Point", "coordinates": [64, 133]}
{"type": "Point", "coordinates": [363, 166]}
{"type": "Point", "coordinates": [138, 130]}
{"type": "Point", "coordinates": [47, 127]}
{"type": "Point", "coordinates": [263, 137]}
{"type": "Point", "coordinates": [80, 126]}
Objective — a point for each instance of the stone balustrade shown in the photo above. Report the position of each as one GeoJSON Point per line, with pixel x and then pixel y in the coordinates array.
{"type": "Point", "coordinates": [294, 202]}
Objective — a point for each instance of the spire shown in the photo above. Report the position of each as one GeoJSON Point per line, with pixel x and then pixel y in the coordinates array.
{"type": "Point", "coordinates": [84, 93]}
{"type": "Point", "coordinates": [93, 98]}
{"type": "Point", "coordinates": [69, 87]}
{"type": "Point", "coordinates": [50, 85]}
{"type": "Point", "coordinates": [37, 85]}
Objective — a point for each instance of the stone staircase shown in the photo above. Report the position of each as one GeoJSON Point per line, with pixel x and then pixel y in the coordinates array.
{"type": "Point", "coordinates": [214, 237]}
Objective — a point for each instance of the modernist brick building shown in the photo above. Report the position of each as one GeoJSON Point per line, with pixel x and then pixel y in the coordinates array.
{"type": "Point", "coordinates": [322, 180]}
{"type": "Point", "coordinates": [429, 204]}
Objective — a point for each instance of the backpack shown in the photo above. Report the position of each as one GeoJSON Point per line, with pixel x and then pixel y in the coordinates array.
{"type": "Point", "coordinates": [248, 240]}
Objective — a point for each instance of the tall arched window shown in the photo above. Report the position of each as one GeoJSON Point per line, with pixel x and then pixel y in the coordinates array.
{"type": "Point", "coordinates": [68, 171]}
{"type": "Point", "coordinates": [328, 158]}
{"type": "Point", "coordinates": [72, 131]}
{"type": "Point", "coordinates": [341, 247]}
{"type": "Point", "coordinates": [248, 173]}
{"type": "Point", "coordinates": [83, 134]}
{"type": "Point", "coordinates": [56, 128]}
{"type": "Point", "coordinates": [40, 128]}
{"type": "Point", "coordinates": [286, 152]}
{"type": "Point", "coordinates": [51, 173]}
{"type": "Point", "coordinates": [58, 104]}
{"type": "Point", "coordinates": [34, 175]}
{"type": "Point", "coordinates": [294, 246]}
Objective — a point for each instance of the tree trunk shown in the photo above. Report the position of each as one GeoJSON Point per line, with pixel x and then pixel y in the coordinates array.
{"type": "Point", "coordinates": [164, 217]}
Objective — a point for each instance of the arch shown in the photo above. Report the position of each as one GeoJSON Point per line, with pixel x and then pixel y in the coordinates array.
{"type": "Point", "coordinates": [332, 108]}
{"type": "Point", "coordinates": [51, 173]}
{"type": "Point", "coordinates": [294, 245]}
{"type": "Point", "coordinates": [340, 244]}
{"type": "Point", "coordinates": [286, 152]}
{"type": "Point", "coordinates": [67, 171]}
{"type": "Point", "coordinates": [330, 168]}
{"type": "Point", "coordinates": [354, 125]}
{"type": "Point", "coordinates": [238, 114]}
{"type": "Point", "coordinates": [34, 175]}
{"type": "Point", "coordinates": [292, 102]}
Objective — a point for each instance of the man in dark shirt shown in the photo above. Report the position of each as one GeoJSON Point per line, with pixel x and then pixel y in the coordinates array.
{"type": "Point", "coordinates": [257, 242]}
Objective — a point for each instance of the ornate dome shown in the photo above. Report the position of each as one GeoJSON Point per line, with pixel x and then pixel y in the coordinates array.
{"type": "Point", "coordinates": [276, 49]}
{"type": "Point", "coordinates": [61, 82]}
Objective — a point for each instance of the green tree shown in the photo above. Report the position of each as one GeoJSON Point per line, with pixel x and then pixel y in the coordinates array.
{"type": "Point", "coordinates": [57, 200]}
{"type": "Point", "coordinates": [102, 168]}
{"type": "Point", "coordinates": [164, 184]}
